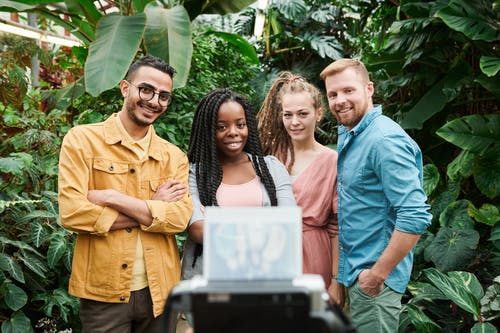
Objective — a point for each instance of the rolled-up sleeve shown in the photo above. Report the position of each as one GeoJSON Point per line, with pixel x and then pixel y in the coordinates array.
{"type": "Point", "coordinates": [172, 217]}
{"type": "Point", "coordinates": [76, 212]}
{"type": "Point", "coordinates": [399, 167]}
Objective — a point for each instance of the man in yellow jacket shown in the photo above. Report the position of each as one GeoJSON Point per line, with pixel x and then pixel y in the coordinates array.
{"type": "Point", "coordinates": [123, 190]}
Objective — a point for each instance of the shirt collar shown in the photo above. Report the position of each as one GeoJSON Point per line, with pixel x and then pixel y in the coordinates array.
{"type": "Point", "coordinates": [364, 122]}
{"type": "Point", "coordinates": [114, 135]}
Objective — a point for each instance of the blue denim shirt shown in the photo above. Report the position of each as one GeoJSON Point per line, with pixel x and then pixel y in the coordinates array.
{"type": "Point", "coordinates": [380, 189]}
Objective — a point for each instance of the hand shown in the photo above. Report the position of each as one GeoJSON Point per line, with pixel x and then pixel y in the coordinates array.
{"type": "Point", "coordinates": [370, 283]}
{"type": "Point", "coordinates": [336, 293]}
{"type": "Point", "coordinates": [332, 229]}
{"type": "Point", "coordinates": [99, 197]}
{"type": "Point", "coordinates": [170, 191]}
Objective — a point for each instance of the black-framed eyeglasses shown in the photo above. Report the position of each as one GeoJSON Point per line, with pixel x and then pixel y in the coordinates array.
{"type": "Point", "coordinates": [147, 93]}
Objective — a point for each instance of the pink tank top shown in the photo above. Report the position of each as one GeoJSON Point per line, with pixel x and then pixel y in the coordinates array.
{"type": "Point", "coordinates": [240, 195]}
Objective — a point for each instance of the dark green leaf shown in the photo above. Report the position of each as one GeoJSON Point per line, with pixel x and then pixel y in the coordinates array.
{"type": "Point", "coordinates": [483, 328]}
{"type": "Point", "coordinates": [38, 233]}
{"type": "Point", "coordinates": [85, 7]}
{"type": "Point", "coordinates": [471, 19]}
{"type": "Point", "coordinates": [326, 46]}
{"type": "Point", "coordinates": [487, 177]}
{"type": "Point", "coordinates": [452, 249]}
{"type": "Point", "coordinates": [293, 10]}
{"type": "Point", "coordinates": [468, 281]}
{"type": "Point", "coordinates": [478, 133]}
{"type": "Point", "coordinates": [16, 164]}
{"type": "Point", "coordinates": [239, 43]}
{"type": "Point", "coordinates": [15, 297]}
{"type": "Point", "coordinates": [111, 53]}
{"type": "Point", "coordinates": [489, 65]}
{"type": "Point", "coordinates": [456, 216]}
{"type": "Point", "coordinates": [8, 264]}
{"type": "Point", "coordinates": [421, 321]}
{"type": "Point", "coordinates": [455, 293]}
{"type": "Point", "coordinates": [68, 94]}
{"type": "Point", "coordinates": [56, 250]}
{"type": "Point", "coordinates": [18, 323]}
{"type": "Point", "coordinates": [462, 165]}
{"type": "Point", "coordinates": [431, 178]}
{"type": "Point", "coordinates": [490, 303]}
{"type": "Point", "coordinates": [34, 264]}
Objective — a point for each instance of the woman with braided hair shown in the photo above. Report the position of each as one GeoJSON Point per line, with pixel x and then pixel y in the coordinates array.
{"type": "Point", "coordinates": [287, 122]}
{"type": "Point", "coordinates": [227, 167]}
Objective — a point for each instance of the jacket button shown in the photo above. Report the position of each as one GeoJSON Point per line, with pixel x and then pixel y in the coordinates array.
{"type": "Point", "coordinates": [124, 266]}
{"type": "Point", "coordinates": [129, 229]}
{"type": "Point", "coordinates": [122, 298]}
{"type": "Point", "coordinates": [111, 168]}
{"type": "Point", "coordinates": [132, 170]}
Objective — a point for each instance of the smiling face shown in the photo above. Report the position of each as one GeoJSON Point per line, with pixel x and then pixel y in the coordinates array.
{"type": "Point", "coordinates": [231, 132]}
{"type": "Point", "coordinates": [299, 116]}
{"type": "Point", "coordinates": [349, 96]}
{"type": "Point", "coordinates": [142, 113]}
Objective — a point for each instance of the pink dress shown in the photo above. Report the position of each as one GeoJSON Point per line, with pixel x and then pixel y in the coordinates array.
{"type": "Point", "coordinates": [315, 192]}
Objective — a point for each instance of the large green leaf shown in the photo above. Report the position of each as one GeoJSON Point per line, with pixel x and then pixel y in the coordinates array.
{"type": "Point", "coordinates": [456, 216]}
{"type": "Point", "coordinates": [489, 65]}
{"type": "Point", "coordinates": [168, 36]}
{"type": "Point", "coordinates": [491, 84]}
{"type": "Point", "coordinates": [444, 198]}
{"type": "Point", "coordinates": [57, 248]}
{"type": "Point", "coordinates": [14, 6]}
{"type": "Point", "coordinates": [422, 323]}
{"type": "Point", "coordinates": [475, 19]}
{"type": "Point", "coordinates": [483, 328]}
{"type": "Point", "coordinates": [490, 303]}
{"type": "Point", "coordinates": [468, 281]}
{"type": "Point", "coordinates": [462, 165]}
{"type": "Point", "coordinates": [197, 7]}
{"type": "Point", "coordinates": [431, 178]}
{"type": "Point", "coordinates": [424, 291]}
{"type": "Point", "coordinates": [15, 297]}
{"type": "Point", "coordinates": [293, 10]}
{"type": "Point", "coordinates": [452, 249]}
{"type": "Point", "coordinates": [436, 98]}
{"type": "Point", "coordinates": [85, 7]}
{"type": "Point", "coordinates": [239, 43]}
{"type": "Point", "coordinates": [110, 55]}
{"type": "Point", "coordinates": [455, 292]}
{"type": "Point", "coordinates": [487, 177]}
{"type": "Point", "coordinates": [326, 46]}
{"type": "Point", "coordinates": [477, 133]}
{"type": "Point", "coordinates": [68, 94]}
{"type": "Point", "coordinates": [18, 323]}
{"type": "Point", "coordinates": [487, 214]}
{"type": "Point", "coordinates": [34, 263]}
{"type": "Point", "coordinates": [7, 264]}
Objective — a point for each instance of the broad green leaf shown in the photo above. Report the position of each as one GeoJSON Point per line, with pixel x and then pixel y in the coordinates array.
{"type": "Point", "coordinates": [239, 43]}
{"type": "Point", "coordinates": [421, 321]}
{"type": "Point", "coordinates": [326, 46]}
{"type": "Point", "coordinates": [435, 99]}
{"type": "Point", "coordinates": [462, 165]}
{"type": "Point", "coordinates": [478, 133]}
{"type": "Point", "coordinates": [452, 249]}
{"type": "Point", "coordinates": [15, 297]}
{"type": "Point", "coordinates": [84, 8]}
{"type": "Point", "coordinates": [293, 10]}
{"type": "Point", "coordinates": [443, 199]}
{"type": "Point", "coordinates": [68, 94]}
{"type": "Point", "coordinates": [57, 248]}
{"type": "Point", "coordinates": [483, 328]}
{"type": "Point", "coordinates": [197, 7]}
{"type": "Point", "coordinates": [36, 265]}
{"type": "Point", "coordinates": [472, 18]}
{"type": "Point", "coordinates": [38, 233]}
{"type": "Point", "coordinates": [425, 291]}
{"type": "Point", "coordinates": [455, 293]}
{"type": "Point", "coordinates": [168, 36]}
{"type": "Point", "coordinates": [431, 178]}
{"type": "Point", "coordinates": [19, 244]}
{"type": "Point", "coordinates": [79, 28]}
{"type": "Point", "coordinates": [39, 214]}
{"type": "Point", "coordinates": [491, 84]}
{"type": "Point", "coordinates": [456, 216]}
{"type": "Point", "coordinates": [489, 65]}
{"type": "Point", "coordinates": [111, 53]}
{"type": "Point", "coordinates": [495, 235]}
{"type": "Point", "coordinates": [468, 281]}
{"type": "Point", "coordinates": [16, 164]}
{"type": "Point", "coordinates": [490, 303]}
{"type": "Point", "coordinates": [14, 6]}
{"type": "Point", "coordinates": [487, 214]}
{"type": "Point", "coordinates": [7, 264]}
{"type": "Point", "coordinates": [487, 177]}
{"type": "Point", "coordinates": [17, 323]}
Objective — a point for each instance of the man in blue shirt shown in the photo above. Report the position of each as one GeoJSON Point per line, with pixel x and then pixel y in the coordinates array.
{"type": "Point", "coordinates": [381, 203]}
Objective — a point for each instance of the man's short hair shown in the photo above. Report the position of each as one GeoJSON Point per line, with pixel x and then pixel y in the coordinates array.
{"type": "Point", "coordinates": [340, 65]}
{"type": "Point", "coordinates": [150, 61]}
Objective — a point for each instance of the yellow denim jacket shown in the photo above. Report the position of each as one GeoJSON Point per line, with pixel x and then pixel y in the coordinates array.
{"type": "Point", "coordinates": [96, 156]}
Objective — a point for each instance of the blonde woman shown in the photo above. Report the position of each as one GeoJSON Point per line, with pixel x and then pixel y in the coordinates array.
{"type": "Point", "coordinates": [287, 122]}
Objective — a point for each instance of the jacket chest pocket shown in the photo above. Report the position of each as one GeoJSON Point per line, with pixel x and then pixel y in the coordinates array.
{"type": "Point", "coordinates": [109, 175]}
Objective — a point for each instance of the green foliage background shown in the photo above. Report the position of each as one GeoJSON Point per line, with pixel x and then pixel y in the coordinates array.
{"type": "Point", "coordinates": [435, 67]}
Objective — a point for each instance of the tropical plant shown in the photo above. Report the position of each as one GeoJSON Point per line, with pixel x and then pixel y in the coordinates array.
{"type": "Point", "coordinates": [116, 31]}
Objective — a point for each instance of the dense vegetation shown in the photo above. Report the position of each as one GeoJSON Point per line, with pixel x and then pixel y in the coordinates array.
{"type": "Point", "coordinates": [435, 66]}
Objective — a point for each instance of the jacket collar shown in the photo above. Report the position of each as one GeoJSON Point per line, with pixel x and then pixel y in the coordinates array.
{"type": "Point", "coordinates": [113, 135]}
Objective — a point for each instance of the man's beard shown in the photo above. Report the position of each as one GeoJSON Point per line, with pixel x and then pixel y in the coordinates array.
{"type": "Point", "coordinates": [131, 106]}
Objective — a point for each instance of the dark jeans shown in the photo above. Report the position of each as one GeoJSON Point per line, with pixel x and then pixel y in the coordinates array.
{"type": "Point", "coordinates": [136, 316]}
